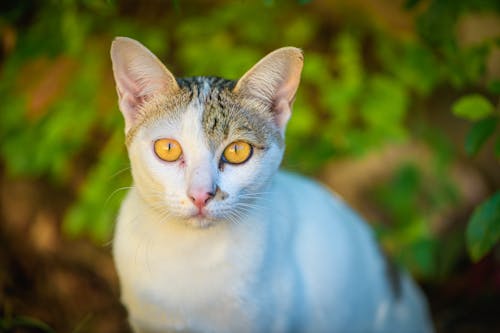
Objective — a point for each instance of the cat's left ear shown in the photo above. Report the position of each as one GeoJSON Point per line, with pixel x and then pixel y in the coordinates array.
{"type": "Point", "coordinates": [274, 80]}
{"type": "Point", "coordinates": [139, 75]}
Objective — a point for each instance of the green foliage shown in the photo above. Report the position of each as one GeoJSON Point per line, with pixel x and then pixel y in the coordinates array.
{"type": "Point", "coordinates": [477, 108]}
{"type": "Point", "coordinates": [473, 107]}
{"type": "Point", "coordinates": [483, 227]}
{"type": "Point", "coordinates": [362, 87]}
{"type": "Point", "coordinates": [437, 26]}
{"type": "Point", "coordinates": [479, 133]}
{"type": "Point", "coordinates": [410, 200]}
{"type": "Point", "coordinates": [483, 231]}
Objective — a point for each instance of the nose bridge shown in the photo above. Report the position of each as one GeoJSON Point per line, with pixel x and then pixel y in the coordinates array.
{"type": "Point", "coordinates": [200, 173]}
{"type": "Point", "coordinates": [201, 177]}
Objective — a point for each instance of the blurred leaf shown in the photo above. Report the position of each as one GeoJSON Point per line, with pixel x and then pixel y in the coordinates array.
{"type": "Point", "coordinates": [472, 107]}
{"type": "Point", "coordinates": [421, 256]}
{"type": "Point", "coordinates": [483, 230]}
{"type": "Point", "coordinates": [349, 62]}
{"type": "Point", "coordinates": [494, 87]}
{"type": "Point", "coordinates": [415, 65]}
{"type": "Point", "coordinates": [465, 66]}
{"type": "Point", "coordinates": [300, 30]}
{"type": "Point", "coordinates": [303, 120]}
{"type": "Point", "coordinates": [73, 29]}
{"type": "Point", "coordinates": [19, 324]}
{"type": "Point", "coordinates": [316, 69]}
{"type": "Point", "coordinates": [384, 106]}
{"type": "Point", "coordinates": [479, 133]}
{"type": "Point", "coordinates": [399, 196]}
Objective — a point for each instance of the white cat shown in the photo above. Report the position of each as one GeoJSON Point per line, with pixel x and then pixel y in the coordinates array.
{"type": "Point", "coordinates": [213, 238]}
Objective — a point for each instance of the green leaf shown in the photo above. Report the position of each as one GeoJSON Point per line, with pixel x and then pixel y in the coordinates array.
{"type": "Point", "coordinates": [494, 87]}
{"type": "Point", "coordinates": [479, 133]}
{"type": "Point", "coordinates": [421, 255]}
{"type": "Point", "coordinates": [472, 107]}
{"type": "Point", "coordinates": [483, 231]}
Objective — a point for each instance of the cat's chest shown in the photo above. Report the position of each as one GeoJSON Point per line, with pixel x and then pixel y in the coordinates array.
{"type": "Point", "coordinates": [192, 282]}
{"type": "Point", "coordinates": [168, 271]}
{"type": "Point", "coordinates": [184, 264]}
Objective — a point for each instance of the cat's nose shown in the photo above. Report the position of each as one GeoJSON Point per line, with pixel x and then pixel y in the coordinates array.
{"type": "Point", "coordinates": [200, 198]}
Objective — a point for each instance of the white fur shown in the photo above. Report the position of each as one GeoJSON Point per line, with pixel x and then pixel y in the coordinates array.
{"type": "Point", "coordinates": [304, 262]}
{"type": "Point", "coordinates": [298, 259]}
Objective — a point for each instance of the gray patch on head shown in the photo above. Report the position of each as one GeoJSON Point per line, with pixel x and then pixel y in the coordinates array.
{"type": "Point", "coordinates": [173, 105]}
{"type": "Point", "coordinates": [227, 116]}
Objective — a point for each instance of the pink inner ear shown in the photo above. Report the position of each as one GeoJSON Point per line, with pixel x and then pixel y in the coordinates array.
{"type": "Point", "coordinates": [283, 100]}
{"type": "Point", "coordinates": [129, 98]}
{"type": "Point", "coordinates": [134, 88]}
{"type": "Point", "coordinates": [274, 79]}
{"type": "Point", "coordinates": [282, 113]}
{"type": "Point", "coordinates": [129, 106]}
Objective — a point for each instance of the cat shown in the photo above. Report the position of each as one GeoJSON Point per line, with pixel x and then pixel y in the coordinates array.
{"type": "Point", "coordinates": [213, 238]}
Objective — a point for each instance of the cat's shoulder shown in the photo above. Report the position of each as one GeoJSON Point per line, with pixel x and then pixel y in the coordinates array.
{"type": "Point", "coordinates": [297, 183]}
{"type": "Point", "coordinates": [313, 199]}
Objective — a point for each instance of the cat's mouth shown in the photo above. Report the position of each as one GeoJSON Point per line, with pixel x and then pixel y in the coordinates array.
{"type": "Point", "coordinates": [200, 220]}
{"type": "Point", "coordinates": [209, 215]}
{"type": "Point", "coordinates": [201, 214]}
{"type": "Point", "coordinates": [206, 217]}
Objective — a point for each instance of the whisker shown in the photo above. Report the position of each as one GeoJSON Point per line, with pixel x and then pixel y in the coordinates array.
{"type": "Point", "coordinates": [254, 193]}
{"type": "Point", "coordinates": [234, 218]}
{"type": "Point", "coordinates": [116, 191]}
{"type": "Point", "coordinates": [249, 206]}
{"type": "Point", "coordinates": [118, 172]}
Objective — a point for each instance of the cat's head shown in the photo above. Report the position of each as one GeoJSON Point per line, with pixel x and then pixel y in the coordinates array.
{"type": "Point", "coordinates": [203, 149]}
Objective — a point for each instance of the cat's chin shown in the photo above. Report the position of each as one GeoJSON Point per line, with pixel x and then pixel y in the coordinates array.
{"type": "Point", "coordinates": [205, 218]}
{"type": "Point", "coordinates": [200, 221]}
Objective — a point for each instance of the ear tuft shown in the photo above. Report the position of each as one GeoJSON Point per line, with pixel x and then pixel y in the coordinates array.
{"type": "Point", "coordinates": [138, 75]}
{"type": "Point", "coordinates": [274, 80]}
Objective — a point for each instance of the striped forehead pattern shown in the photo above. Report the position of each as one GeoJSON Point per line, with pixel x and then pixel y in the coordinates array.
{"type": "Point", "coordinates": [225, 114]}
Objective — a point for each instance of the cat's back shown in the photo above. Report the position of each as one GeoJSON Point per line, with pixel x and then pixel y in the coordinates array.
{"type": "Point", "coordinates": [326, 231]}
{"type": "Point", "coordinates": [325, 227]}
{"type": "Point", "coordinates": [312, 205]}
{"type": "Point", "coordinates": [339, 260]}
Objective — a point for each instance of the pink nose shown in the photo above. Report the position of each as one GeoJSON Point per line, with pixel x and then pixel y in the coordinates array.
{"type": "Point", "coordinates": [200, 198]}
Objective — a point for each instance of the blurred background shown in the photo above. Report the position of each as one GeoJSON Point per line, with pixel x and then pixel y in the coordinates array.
{"type": "Point", "coordinates": [398, 111]}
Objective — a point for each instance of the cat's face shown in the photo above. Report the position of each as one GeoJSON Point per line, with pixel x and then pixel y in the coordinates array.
{"type": "Point", "coordinates": [217, 146]}
{"type": "Point", "coordinates": [203, 149]}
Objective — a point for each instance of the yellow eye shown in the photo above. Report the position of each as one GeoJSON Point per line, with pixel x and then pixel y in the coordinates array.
{"type": "Point", "coordinates": [237, 152]}
{"type": "Point", "coordinates": [168, 149]}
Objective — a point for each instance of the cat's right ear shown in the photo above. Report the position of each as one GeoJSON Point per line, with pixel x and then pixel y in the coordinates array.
{"type": "Point", "coordinates": [139, 74]}
{"type": "Point", "coordinates": [274, 80]}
